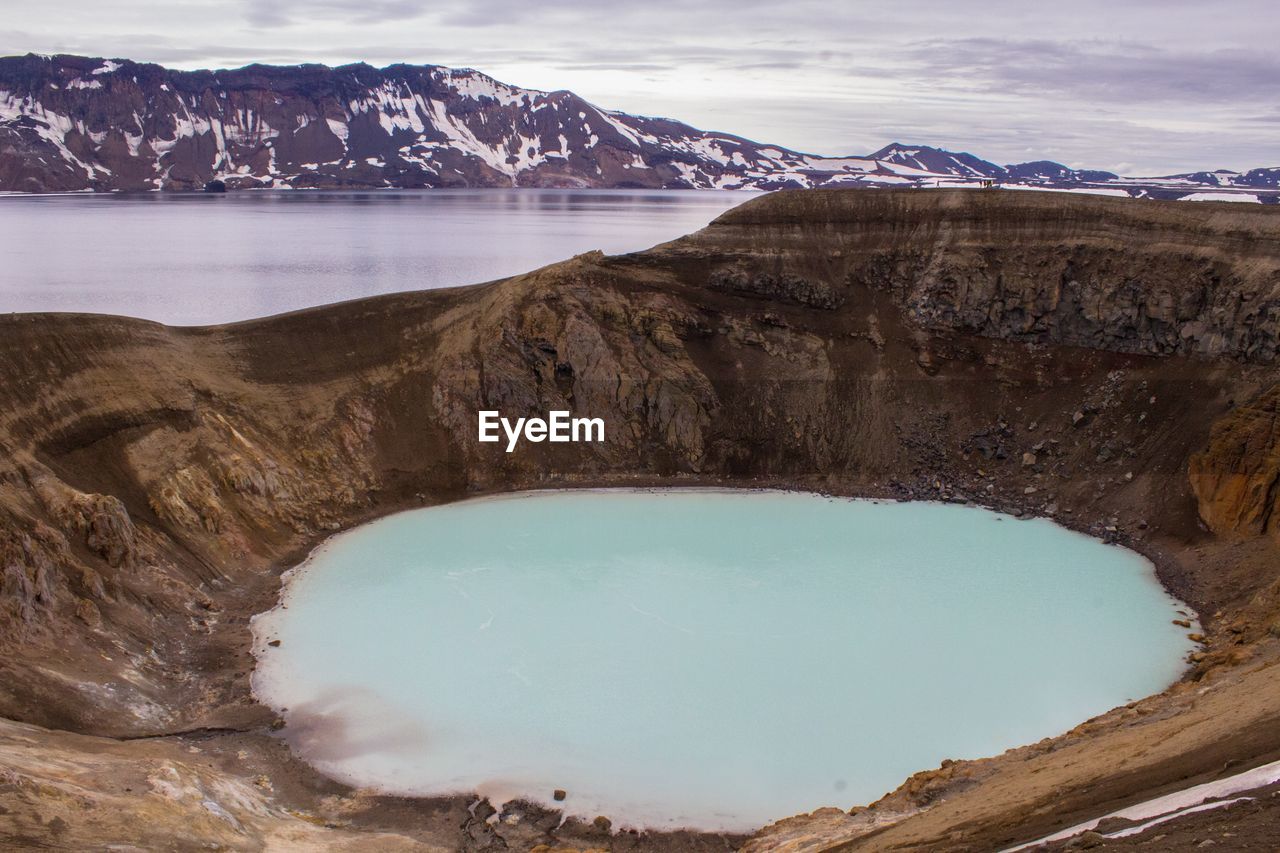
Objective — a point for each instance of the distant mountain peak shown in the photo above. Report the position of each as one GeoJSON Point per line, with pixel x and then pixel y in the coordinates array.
{"type": "Point", "coordinates": [74, 123]}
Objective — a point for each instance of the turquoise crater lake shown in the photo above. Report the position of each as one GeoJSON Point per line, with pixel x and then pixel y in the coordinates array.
{"type": "Point", "coordinates": [698, 658]}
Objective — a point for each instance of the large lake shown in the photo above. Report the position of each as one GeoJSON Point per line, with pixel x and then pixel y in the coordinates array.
{"type": "Point", "coordinates": [701, 658]}
{"type": "Point", "coordinates": [193, 258]}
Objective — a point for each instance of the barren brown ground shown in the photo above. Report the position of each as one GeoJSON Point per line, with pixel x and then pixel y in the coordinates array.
{"type": "Point", "coordinates": [1106, 362]}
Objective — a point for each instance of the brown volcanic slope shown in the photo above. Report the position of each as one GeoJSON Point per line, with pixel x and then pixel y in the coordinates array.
{"type": "Point", "coordinates": [1107, 361]}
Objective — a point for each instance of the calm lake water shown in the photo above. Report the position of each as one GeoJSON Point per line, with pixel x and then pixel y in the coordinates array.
{"type": "Point", "coordinates": [707, 659]}
{"type": "Point", "coordinates": [189, 259]}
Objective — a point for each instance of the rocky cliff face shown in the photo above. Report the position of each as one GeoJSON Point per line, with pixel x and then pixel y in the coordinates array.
{"type": "Point", "coordinates": [70, 123]}
{"type": "Point", "coordinates": [1093, 274]}
{"type": "Point", "coordinates": [1237, 475]}
{"type": "Point", "coordinates": [155, 481]}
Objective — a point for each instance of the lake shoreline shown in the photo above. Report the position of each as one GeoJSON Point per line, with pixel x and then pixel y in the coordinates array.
{"type": "Point", "coordinates": [801, 508]}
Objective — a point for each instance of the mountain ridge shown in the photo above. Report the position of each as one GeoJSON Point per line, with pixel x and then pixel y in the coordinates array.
{"type": "Point", "coordinates": [72, 123]}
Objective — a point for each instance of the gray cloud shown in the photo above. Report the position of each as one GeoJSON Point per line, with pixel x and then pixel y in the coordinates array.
{"type": "Point", "coordinates": [282, 13]}
{"type": "Point", "coordinates": [1120, 72]}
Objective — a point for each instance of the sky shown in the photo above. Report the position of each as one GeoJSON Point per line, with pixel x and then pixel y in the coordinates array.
{"type": "Point", "coordinates": [1141, 87]}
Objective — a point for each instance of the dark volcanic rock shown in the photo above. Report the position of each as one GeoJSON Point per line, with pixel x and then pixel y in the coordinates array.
{"type": "Point", "coordinates": [787, 287]}
{"type": "Point", "coordinates": [1161, 281]}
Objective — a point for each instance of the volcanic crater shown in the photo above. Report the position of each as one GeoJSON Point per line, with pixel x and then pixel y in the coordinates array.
{"type": "Point", "coordinates": [1104, 362]}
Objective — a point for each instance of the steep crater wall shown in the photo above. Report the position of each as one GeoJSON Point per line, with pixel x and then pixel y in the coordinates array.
{"type": "Point", "coordinates": [1092, 272]}
{"type": "Point", "coordinates": [1045, 354]}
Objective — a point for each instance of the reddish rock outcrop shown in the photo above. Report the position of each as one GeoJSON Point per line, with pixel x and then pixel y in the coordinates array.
{"type": "Point", "coordinates": [1236, 478]}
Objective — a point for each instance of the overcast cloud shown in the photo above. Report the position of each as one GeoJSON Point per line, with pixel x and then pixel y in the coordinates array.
{"type": "Point", "coordinates": [1138, 86]}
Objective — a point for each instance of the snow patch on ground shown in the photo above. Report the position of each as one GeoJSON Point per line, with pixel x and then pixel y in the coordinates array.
{"type": "Point", "coordinates": [1212, 196]}
{"type": "Point", "coordinates": [339, 129]}
{"type": "Point", "coordinates": [1171, 806]}
{"type": "Point", "coordinates": [1111, 191]}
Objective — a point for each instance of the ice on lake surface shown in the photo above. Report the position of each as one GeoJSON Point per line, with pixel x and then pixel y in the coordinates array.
{"type": "Point", "coordinates": [195, 258]}
{"type": "Point", "coordinates": [701, 658]}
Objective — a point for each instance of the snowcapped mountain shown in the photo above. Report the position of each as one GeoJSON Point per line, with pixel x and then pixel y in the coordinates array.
{"type": "Point", "coordinates": [70, 123]}
{"type": "Point", "coordinates": [936, 161]}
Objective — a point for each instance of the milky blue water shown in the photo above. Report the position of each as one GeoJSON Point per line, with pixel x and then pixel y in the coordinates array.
{"type": "Point", "coordinates": [195, 258]}
{"type": "Point", "coordinates": [701, 658]}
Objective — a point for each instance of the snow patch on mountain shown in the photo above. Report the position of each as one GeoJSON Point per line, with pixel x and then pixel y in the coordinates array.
{"type": "Point", "coordinates": [71, 123]}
